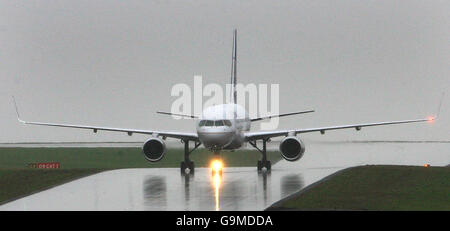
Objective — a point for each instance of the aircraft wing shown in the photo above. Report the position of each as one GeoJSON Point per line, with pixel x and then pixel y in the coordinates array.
{"type": "Point", "coordinates": [178, 135]}
{"type": "Point", "coordinates": [269, 134]}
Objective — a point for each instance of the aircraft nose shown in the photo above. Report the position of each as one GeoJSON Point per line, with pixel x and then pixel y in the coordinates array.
{"type": "Point", "coordinates": [215, 140]}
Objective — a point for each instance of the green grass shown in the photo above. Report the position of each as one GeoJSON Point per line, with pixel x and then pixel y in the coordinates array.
{"type": "Point", "coordinates": [18, 180]}
{"type": "Point", "coordinates": [377, 188]}
{"type": "Point", "coordinates": [113, 158]}
{"type": "Point", "coordinates": [16, 183]}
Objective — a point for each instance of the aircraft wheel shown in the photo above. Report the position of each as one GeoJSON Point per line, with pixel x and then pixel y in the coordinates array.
{"type": "Point", "coordinates": [268, 165]}
{"type": "Point", "coordinates": [191, 167]}
{"type": "Point", "coordinates": [260, 165]}
{"type": "Point", "coordinates": [183, 168]}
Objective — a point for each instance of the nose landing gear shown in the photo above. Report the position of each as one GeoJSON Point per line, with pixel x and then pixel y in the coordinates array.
{"type": "Point", "coordinates": [187, 164]}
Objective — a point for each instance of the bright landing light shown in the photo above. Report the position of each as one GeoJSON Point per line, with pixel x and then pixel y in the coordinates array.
{"type": "Point", "coordinates": [430, 119]}
{"type": "Point", "coordinates": [216, 166]}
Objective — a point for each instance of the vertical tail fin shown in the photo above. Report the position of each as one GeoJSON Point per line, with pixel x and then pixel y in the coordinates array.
{"type": "Point", "coordinates": [233, 68]}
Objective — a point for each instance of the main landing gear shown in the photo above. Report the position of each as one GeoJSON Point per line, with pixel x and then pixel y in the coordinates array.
{"type": "Point", "coordinates": [187, 163]}
{"type": "Point", "coordinates": [263, 163]}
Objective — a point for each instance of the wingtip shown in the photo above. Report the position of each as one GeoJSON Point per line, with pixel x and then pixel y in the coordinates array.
{"type": "Point", "coordinates": [431, 119]}
{"type": "Point", "coordinates": [440, 105]}
{"type": "Point", "coordinates": [17, 110]}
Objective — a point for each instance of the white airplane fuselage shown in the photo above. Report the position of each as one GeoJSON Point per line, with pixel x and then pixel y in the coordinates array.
{"type": "Point", "coordinates": [222, 127]}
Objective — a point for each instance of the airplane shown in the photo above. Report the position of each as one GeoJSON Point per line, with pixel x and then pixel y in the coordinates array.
{"type": "Point", "coordinates": [226, 127]}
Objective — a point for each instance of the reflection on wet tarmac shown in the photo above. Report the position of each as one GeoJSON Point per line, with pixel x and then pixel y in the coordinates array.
{"type": "Point", "coordinates": [186, 178]}
{"type": "Point", "coordinates": [155, 194]}
{"type": "Point", "coordinates": [155, 191]}
{"type": "Point", "coordinates": [236, 189]}
{"type": "Point", "coordinates": [291, 184]}
{"type": "Point", "coordinates": [262, 179]}
{"type": "Point", "coordinates": [216, 182]}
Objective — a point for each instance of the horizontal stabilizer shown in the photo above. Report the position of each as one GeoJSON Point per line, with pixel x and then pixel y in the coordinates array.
{"type": "Point", "coordinates": [281, 115]}
{"type": "Point", "coordinates": [173, 114]}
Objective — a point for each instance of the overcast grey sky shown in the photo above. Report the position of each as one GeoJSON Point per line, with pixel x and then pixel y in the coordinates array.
{"type": "Point", "coordinates": [113, 63]}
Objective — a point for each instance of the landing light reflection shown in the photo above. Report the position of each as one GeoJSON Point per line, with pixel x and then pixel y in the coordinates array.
{"type": "Point", "coordinates": [216, 170]}
{"type": "Point", "coordinates": [217, 178]}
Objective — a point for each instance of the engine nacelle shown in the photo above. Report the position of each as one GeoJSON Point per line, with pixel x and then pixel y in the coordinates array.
{"type": "Point", "coordinates": [292, 148]}
{"type": "Point", "coordinates": [154, 149]}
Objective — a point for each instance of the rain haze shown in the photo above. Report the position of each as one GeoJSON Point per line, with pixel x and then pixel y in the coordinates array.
{"type": "Point", "coordinates": [113, 63]}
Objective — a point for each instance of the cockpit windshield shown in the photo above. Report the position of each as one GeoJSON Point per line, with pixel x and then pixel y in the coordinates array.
{"type": "Point", "coordinates": [227, 123]}
{"type": "Point", "coordinates": [215, 123]}
{"type": "Point", "coordinates": [202, 123]}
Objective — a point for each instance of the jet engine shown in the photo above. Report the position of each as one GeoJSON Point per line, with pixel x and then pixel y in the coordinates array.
{"type": "Point", "coordinates": [154, 149]}
{"type": "Point", "coordinates": [292, 148]}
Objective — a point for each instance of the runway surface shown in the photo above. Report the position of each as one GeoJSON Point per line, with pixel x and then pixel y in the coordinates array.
{"type": "Point", "coordinates": [237, 189]}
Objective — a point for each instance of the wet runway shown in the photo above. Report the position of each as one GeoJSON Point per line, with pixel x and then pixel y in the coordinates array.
{"type": "Point", "coordinates": [236, 189]}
